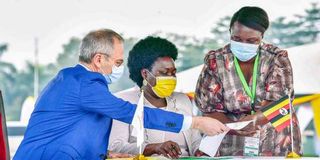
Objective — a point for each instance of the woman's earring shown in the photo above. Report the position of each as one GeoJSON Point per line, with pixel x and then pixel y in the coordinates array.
{"type": "Point", "coordinates": [144, 82]}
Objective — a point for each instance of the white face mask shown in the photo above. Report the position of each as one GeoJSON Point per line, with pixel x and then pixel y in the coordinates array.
{"type": "Point", "coordinates": [115, 75]}
{"type": "Point", "coordinates": [243, 51]}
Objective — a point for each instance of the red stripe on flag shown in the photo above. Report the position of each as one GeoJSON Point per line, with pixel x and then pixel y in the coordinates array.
{"type": "Point", "coordinates": [283, 125]}
{"type": "Point", "coordinates": [2, 141]}
{"type": "Point", "coordinates": [275, 113]}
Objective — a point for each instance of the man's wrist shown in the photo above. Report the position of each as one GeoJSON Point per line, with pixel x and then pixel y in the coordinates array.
{"type": "Point", "coordinates": [187, 122]}
{"type": "Point", "coordinates": [195, 122]}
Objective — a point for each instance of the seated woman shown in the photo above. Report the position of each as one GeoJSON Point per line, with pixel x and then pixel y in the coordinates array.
{"type": "Point", "coordinates": [243, 77]}
{"type": "Point", "coordinates": [151, 67]}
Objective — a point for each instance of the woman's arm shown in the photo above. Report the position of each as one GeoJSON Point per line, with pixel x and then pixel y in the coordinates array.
{"type": "Point", "coordinates": [219, 116]}
{"type": "Point", "coordinates": [209, 90]}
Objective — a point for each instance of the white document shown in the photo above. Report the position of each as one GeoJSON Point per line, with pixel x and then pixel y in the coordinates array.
{"type": "Point", "coordinates": [238, 125]}
{"type": "Point", "coordinates": [137, 123]}
{"type": "Point", "coordinates": [210, 144]}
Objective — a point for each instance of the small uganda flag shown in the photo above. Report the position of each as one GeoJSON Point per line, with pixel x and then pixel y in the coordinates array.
{"type": "Point", "coordinates": [278, 113]}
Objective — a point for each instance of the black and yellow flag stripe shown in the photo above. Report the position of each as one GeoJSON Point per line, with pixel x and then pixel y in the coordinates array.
{"type": "Point", "coordinates": [278, 113]}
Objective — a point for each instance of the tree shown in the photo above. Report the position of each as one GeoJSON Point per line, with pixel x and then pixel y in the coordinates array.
{"type": "Point", "coordinates": [69, 57]}
{"type": "Point", "coordinates": [124, 82]}
{"type": "Point", "coordinates": [311, 22]}
{"type": "Point", "coordinates": [18, 84]}
{"type": "Point", "coordinates": [191, 49]}
{"type": "Point", "coordinates": [70, 53]}
{"type": "Point", "coordinates": [284, 34]}
{"type": "Point", "coordinates": [303, 29]}
{"type": "Point", "coordinates": [220, 32]}
{"type": "Point", "coordinates": [8, 83]}
{"type": "Point", "coordinates": [3, 48]}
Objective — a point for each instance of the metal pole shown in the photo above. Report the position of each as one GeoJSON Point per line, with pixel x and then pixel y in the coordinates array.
{"type": "Point", "coordinates": [36, 70]}
{"type": "Point", "coordinates": [291, 122]}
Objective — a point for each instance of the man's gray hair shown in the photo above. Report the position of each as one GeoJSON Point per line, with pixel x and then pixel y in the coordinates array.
{"type": "Point", "coordinates": [98, 41]}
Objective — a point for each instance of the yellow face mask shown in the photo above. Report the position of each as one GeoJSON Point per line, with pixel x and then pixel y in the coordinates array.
{"type": "Point", "coordinates": [164, 86]}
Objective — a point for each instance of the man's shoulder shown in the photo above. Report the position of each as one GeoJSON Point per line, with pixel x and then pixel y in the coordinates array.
{"type": "Point", "coordinates": [75, 70]}
{"type": "Point", "coordinates": [80, 73]}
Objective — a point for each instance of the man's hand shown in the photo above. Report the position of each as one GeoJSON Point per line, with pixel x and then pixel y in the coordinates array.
{"type": "Point", "coordinates": [209, 125]}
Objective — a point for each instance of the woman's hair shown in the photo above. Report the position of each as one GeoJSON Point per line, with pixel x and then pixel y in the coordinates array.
{"type": "Point", "coordinates": [145, 53]}
{"type": "Point", "coordinates": [252, 17]}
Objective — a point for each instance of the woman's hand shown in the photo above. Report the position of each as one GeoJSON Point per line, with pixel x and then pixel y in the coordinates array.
{"type": "Point", "coordinates": [199, 153]}
{"type": "Point", "coordinates": [258, 120]}
{"type": "Point", "coordinates": [168, 149]}
{"type": "Point", "coordinates": [248, 118]}
{"type": "Point", "coordinates": [118, 155]}
{"type": "Point", "coordinates": [243, 132]}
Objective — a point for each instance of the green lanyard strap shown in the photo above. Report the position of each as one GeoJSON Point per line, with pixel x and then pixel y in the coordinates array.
{"type": "Point", "coordinates": [252, 93]}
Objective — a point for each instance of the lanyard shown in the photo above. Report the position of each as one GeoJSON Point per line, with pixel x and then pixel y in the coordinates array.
{"type": "Point", "coordinates": [252, 93]}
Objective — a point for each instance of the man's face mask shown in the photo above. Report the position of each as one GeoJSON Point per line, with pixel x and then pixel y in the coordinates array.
{"type": "Point", "coordinates": [115, 75]}
{"type": "Point", "coordinates": [244, 51]}
{"type": "Point", "coordinates": [165, 85]}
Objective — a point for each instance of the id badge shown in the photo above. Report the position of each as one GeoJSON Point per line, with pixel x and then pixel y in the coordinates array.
{"type": "Point", "coordinates": [251, 146]}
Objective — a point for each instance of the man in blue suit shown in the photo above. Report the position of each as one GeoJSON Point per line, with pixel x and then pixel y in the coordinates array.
{"type": "Point", "coordinates": [73, 114]}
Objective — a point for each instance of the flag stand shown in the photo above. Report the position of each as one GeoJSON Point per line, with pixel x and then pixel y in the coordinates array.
{"type": "Point", "coordinates": [291, 154]}
{"type": "Point", "coordinates": [139, 126]}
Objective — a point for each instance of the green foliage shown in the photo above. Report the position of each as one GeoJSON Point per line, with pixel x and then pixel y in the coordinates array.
{"type": "Point", "coordinates": [302, 30]}
{"type": "Point", "coordinates": [220, 32]}
{"type": "Point", "coordinates": [17, 85]}
{"type": "Point", "coordinates": [70, 53]}
{"type": "Point", "coordinates": [284, 33]}
{"type": "Point", "coordinates": [3, 48]}
{"type": "Point", "coordinates": [124, 82]}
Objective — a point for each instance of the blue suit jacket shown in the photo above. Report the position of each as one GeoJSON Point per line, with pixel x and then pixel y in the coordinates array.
{"type": "Point", "coordinates": [73, 117]}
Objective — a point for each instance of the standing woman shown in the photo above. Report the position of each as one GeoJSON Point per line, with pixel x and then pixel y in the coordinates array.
{"type": "Point", "coordinates": [238, 80]}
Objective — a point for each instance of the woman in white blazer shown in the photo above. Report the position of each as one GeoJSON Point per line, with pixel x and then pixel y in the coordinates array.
{"type": "Point", "coordinates": [151, 67]}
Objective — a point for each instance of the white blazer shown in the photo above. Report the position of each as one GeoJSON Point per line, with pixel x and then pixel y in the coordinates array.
{"type": "Point", "coordinates": [121, 140]}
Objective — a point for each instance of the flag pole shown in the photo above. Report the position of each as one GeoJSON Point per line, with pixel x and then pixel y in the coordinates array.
{"type": "Point", "coordinates": [138, 126]}
{"type": "Point", "coordinates": [291, 121]}
{"type": "Point", "coordinates": [292, 154]}
{"type": "Point", "coordinates": [36, 69]}
{"type": "Point", "coordinates": [140, 146]}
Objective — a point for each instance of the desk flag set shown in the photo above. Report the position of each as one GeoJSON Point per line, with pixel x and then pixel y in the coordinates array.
{"type": "Point", "coordinates": [279, 114]}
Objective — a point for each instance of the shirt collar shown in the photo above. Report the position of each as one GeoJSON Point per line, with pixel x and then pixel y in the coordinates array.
{"type": "Point", "coordinates": [84, 66]}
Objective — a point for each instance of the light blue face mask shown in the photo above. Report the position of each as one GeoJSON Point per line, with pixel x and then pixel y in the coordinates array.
{"type": "Point", "coordinates": [244, 51]}
{"type": "Point", "coordinates": [115, 75]}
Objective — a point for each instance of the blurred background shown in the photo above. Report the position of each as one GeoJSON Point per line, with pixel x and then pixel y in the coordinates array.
{"type": "Point", "coordinates": [38, 38]}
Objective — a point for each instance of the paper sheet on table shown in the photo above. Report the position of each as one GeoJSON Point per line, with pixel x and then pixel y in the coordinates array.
{"type": "Point", "coordinates": [210, 144]}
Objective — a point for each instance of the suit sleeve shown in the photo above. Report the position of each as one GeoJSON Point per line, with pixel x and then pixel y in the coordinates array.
{"type": "Point", "coordinates": [95, 97]}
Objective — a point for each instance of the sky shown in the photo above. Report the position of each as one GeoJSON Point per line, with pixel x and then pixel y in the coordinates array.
{"type": "Point", "coordinates": [54, 22]}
